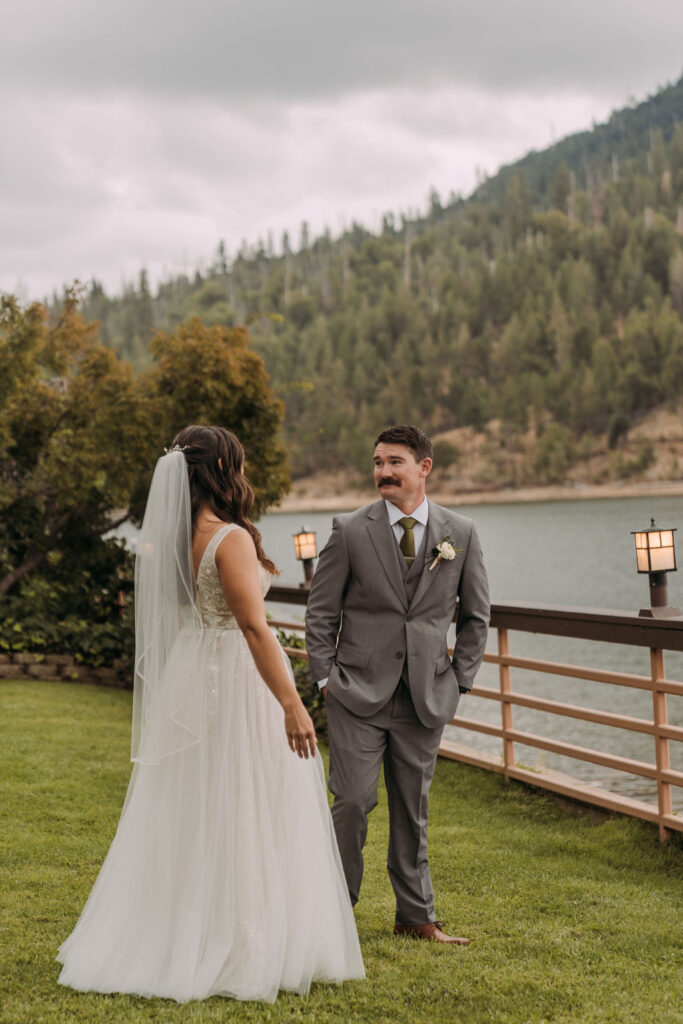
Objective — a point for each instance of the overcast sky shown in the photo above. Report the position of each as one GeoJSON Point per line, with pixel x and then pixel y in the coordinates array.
{"type": "Point", "coordinates": [140, 133]}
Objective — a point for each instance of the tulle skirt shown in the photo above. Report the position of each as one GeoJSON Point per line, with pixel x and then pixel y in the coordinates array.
{"type": "Point", "coordinates": [224, 876]}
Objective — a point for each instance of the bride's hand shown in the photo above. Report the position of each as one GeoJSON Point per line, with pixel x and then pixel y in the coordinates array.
{"type": "Point", "coordinates": [300, 730]}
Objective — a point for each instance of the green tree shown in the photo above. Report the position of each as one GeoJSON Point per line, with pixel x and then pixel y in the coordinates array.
{"type": "Point", "coordinates": [79, 436]}
{"type": "Point", "coordinates": [75, 431]}
{"type": "Point", "coordinates": [206, 374]}
{"type": "Point", "coordinates": [517, 208]}
{"type": "Point", "coordinates": [554, 453]}
{"type": "Point", "coordinates": [561, 188]}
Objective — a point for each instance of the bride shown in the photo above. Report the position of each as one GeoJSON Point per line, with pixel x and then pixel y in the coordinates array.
{"type": "Point", "coordinates": [223, 877]}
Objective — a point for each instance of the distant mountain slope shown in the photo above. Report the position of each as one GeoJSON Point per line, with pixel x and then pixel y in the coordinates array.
{"type": "Point", "coordinates": [602, 150]}
{"type": "Point", "coordinates": [550, 303]}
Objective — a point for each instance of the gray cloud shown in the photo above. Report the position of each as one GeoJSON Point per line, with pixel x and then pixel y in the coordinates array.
{"type": "Point", "coordinates": [313, 48]}
{"type": "Point", "coordinates": [141, 133]}
{"type": "Point", "coordinates": [101, 186]}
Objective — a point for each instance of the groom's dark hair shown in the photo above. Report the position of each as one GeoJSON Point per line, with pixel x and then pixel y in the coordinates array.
{"type": "Point", "coordinates": [411, 437]}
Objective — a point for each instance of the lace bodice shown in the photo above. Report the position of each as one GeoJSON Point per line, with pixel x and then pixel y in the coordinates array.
{"type": "Point", "coordinates": [215, 612]}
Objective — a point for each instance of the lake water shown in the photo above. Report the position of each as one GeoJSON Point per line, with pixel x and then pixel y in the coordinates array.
{"type": "Point", "coordinates": [570, 553]}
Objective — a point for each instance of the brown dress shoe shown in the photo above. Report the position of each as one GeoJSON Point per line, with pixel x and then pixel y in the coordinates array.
{"type": "Point", "coordinates": [431, 932]}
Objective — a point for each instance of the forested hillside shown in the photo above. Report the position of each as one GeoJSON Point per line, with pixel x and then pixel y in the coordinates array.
{"type": "Point", "coordinates": [550, 303]}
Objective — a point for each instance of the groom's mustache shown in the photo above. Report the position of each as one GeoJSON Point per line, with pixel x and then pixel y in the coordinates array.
{"type": "Point", "coordinates": [389, 480]}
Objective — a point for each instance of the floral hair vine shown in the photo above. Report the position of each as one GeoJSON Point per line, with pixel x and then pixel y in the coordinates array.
{"type": "Point", "coordinates": [176, 448]}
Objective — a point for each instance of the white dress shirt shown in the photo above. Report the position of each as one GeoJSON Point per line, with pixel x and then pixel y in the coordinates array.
{"type": "Point", "coordinates": [421, 515]}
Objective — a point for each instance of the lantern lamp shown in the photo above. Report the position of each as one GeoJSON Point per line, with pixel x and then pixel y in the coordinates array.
{"type": "Point", "coordinates": [656, 555]}
{"type": "Point", "coordinates": [306, 551]}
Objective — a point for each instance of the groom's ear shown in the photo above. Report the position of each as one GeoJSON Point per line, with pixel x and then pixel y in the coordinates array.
{"type": "Point", "coordinates": [426, 467]}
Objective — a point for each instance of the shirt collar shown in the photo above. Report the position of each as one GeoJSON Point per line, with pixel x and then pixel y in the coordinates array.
{"type": "Point", "coordinates": [421, 513]}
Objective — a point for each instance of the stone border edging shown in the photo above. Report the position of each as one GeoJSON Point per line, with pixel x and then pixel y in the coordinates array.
{"type": "Point", "coordinates": [60, 667]}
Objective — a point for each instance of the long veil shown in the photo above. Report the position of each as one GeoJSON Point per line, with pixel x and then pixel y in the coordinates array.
{"type": "Point", "coordinates": [166, 717]}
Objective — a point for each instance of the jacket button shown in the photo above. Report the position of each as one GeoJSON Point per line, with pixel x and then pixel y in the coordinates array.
{"type": "Point", "coordinates": [399, 654]}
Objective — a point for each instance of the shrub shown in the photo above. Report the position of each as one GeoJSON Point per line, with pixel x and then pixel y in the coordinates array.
{"type": "Point", "coordinates": [445, 454]}
{"type": "Point", "coordinates": [87, 613]}
{"type": "Point", "coordinates": [554, 454]}
{"type": "Point", "coordinates": [309, 691]}
{"type": "Point", "coordinates": [619, 426]}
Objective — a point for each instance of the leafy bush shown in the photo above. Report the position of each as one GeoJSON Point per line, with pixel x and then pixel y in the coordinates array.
{"type": "Point", "coordinates": [307, 688]}
{"type": "Point", "coordinates": [625, 468]}
{"type": "Point", "coordinates": [445, 454]}
{"type": "Point", "coordinates": [554, 454]}
{"type": "Point", "coordinates": [80, 609]}
{"type": "Point", "coordinates": [619, 426]}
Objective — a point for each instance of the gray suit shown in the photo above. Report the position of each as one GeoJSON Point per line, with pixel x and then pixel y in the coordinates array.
{"type": "Point", "coordinates": [391, 684]}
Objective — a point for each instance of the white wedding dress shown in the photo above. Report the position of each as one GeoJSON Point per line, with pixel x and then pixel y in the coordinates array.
{"type": "Point", "coordinates": [224, 876]}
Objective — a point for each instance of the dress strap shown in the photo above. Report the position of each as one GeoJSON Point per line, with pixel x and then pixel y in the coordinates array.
{"type": "Point", "coordinates": [212, 546]}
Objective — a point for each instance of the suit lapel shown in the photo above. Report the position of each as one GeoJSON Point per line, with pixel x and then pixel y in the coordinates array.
{"type": "Point", "coordinates": [436, 529]}
{"type": "Point", "coordinates": [386, 548]}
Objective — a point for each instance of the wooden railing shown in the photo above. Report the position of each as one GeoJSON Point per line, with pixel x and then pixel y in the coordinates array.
{"type": "Point", "coordinates": [659, 635]}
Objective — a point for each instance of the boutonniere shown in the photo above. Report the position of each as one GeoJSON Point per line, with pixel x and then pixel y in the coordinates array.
{"type": "Point", "coordinates": [445, 551]}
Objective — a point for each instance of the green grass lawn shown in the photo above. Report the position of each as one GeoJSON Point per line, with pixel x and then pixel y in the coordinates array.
{"type": "Point", "coordinates": [571, 918]}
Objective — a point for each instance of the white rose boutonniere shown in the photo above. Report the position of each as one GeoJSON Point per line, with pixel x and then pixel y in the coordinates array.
{"type": "Point", "coordinates": [444, 552]}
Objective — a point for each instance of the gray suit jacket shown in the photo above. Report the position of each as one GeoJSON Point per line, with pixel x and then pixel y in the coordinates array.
{"type": "Point", "coordinates": [359, 585]}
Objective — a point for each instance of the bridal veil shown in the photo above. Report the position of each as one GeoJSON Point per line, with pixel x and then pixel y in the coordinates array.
{"type": "Point", "coordinates": [166, 718]}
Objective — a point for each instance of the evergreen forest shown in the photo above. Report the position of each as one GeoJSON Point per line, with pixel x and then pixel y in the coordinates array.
{"type": "Point", "coordinates": [548, 303]}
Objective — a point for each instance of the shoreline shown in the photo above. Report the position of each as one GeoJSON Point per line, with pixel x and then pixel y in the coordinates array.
{"type": "Point", "coordinates": [347, 500]}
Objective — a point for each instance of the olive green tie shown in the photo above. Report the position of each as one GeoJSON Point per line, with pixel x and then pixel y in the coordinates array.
{"type": "Point", "coordinates": [407, 542]}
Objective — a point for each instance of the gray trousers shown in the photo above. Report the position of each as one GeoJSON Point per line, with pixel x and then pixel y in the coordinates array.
{"type": "Point", "coordinates": [395, 737]}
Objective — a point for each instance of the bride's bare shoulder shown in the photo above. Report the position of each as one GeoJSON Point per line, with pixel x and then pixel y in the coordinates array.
{"type": "Point", "coordinates": [237, 544]}
{"type": "Point", "coordinates": [236, 562]}
{"type": "Point", "coordinates": [205, 529]}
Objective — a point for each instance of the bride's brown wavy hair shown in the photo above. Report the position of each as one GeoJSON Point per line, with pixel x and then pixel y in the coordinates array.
{"type": "Point", "coordinates": [215, 460]}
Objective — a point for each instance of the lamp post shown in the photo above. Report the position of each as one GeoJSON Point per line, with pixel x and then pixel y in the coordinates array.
{"type": "Point", "coordinates": [656, 555]}
{"type": "Point", "coordinates": [306, 551]}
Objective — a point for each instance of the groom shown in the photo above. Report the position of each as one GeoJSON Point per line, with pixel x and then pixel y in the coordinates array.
{"type": "Point", "coordinates": [391, 576]}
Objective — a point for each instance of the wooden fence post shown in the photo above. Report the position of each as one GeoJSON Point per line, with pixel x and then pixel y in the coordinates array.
{"type": "Point", "coordinates": [506, 707]}
{"type": "Point", "coordinates": [662, 756]}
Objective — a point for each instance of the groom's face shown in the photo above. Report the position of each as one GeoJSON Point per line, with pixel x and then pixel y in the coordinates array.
{"type": "Point", "coordinates": [399, 476]}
